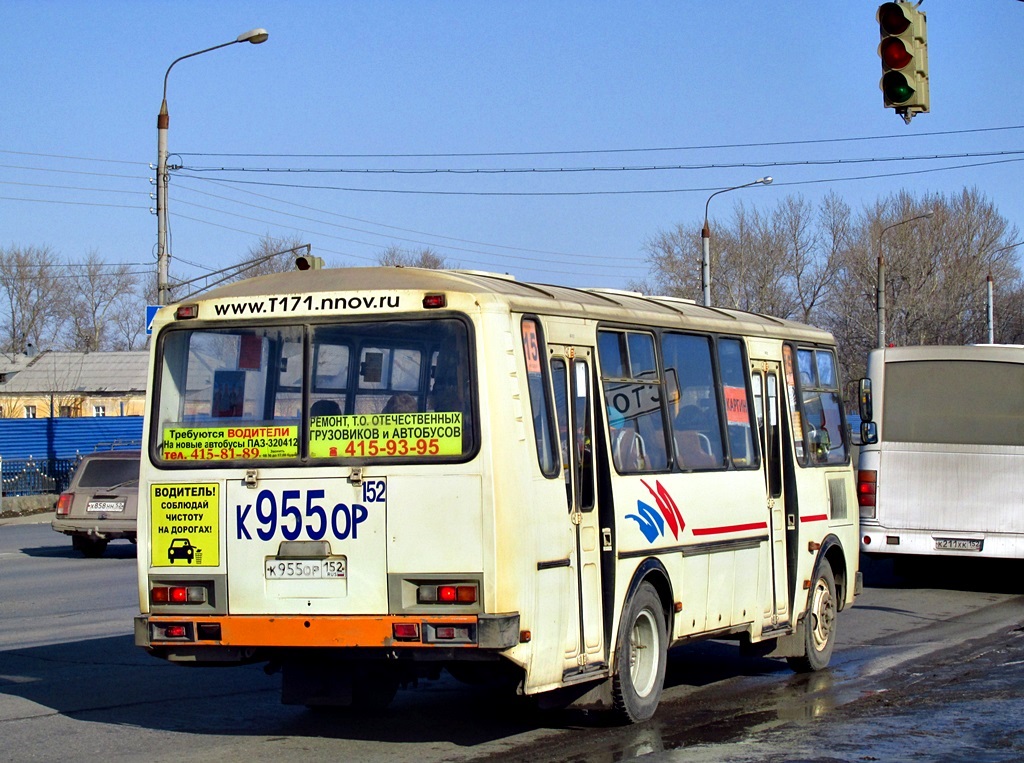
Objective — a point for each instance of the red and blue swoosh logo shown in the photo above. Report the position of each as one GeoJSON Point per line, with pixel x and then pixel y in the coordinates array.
{"type": "Point", "coordinates": [653, 522]}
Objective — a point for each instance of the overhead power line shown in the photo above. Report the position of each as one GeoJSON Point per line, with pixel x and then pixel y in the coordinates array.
{"type": "Point", "coordinates": [702, 189]}
{"type": "Point", "coordinates": [577, 152]}
{"type": "Point", "coordinates": [635, 168]}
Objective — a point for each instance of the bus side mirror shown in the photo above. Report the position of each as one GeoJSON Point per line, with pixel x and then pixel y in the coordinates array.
{"type": "Point", "coordinates": [868, 433]}
{"type": "Point", "coordinates": [864, 400]}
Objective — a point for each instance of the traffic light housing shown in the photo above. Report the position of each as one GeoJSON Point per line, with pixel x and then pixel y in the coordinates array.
{"type": "Point", "coordinates": [308, 262]}
{"type": "Point", "coordinates": [904, 53]}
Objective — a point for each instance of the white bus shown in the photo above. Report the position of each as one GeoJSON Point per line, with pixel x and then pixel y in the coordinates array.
{"type": "Point", "coordinates": [363, 476]}
{"type": "Point", "coordinates": [944, 475]}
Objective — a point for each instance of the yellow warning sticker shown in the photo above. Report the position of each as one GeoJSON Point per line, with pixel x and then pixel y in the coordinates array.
{"type": "Point", "coordinates": [386, 435]}
{"type": "Point", "coordinates": [230, 443]}
{"type": "Point", "coordinates": [185, 525]}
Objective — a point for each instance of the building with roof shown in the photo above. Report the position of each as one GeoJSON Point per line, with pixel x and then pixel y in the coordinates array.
{"type": "Point", "coordinates": [11, 363]}
{"type": "Point", "coordinates": [76, 385]}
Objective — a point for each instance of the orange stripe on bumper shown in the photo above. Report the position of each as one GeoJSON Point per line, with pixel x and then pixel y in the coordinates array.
{"type": "Point", "coordinates": [320, 631]}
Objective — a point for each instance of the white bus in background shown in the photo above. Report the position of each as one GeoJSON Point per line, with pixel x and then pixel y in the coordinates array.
{"type": "Point", "coordinates": [363, 476]}
{"type": "Point", "coordinates": [945, 476]}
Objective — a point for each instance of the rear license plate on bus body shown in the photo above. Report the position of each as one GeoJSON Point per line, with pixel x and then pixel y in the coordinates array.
{"type": "Point", "coordinates": [958, 544]}
{"type": "Point", "coordinates": [105, 506]}
{"type": "Point", "coordinates": [305, 569]}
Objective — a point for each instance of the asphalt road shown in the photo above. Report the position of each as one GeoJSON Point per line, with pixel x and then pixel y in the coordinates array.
{"type": "Point", "coordinates": [922, 665]}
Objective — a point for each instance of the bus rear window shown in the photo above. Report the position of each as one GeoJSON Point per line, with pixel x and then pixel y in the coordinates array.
{"type": "Point", "coordinates": [364, 391]}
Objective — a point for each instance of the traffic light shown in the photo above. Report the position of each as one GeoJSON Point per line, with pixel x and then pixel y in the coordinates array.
{"type": "Point", "coordinates": [308, 262]}
{"type": "Point", "coordinates": [904, 54]}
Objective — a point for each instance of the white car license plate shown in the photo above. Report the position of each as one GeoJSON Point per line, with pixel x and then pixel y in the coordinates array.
{"type": "Point", "coordinates": [305, 569]}
{"type": "Point", "coordinates": [105, 506]}
{"type": "Point", "coordinates": [958, 544]}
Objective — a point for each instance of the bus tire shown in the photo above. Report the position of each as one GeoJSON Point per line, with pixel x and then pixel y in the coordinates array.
{"type": "Point", "coordinates": [641, 655]}
{"type": "Point", "coordinates": [819, 623]}
{"type": "Point", "coordinates": [91, 548]}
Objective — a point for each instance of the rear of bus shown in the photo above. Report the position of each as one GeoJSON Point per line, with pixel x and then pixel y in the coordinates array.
{"type": "Point", "coordinates": [943, 478]}
{"type": "Point", "coordinates": [309, 488]}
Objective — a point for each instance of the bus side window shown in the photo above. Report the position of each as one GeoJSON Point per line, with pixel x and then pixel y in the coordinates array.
{"type": "Point", "coordinates": [548, 456]}
{"type": "Point", "coordinates": [822, 407]}
{"type": "Point", "coordinates": [696, 428]}
{"type": "Point", "coordinates": [736, 395]}
{"type": "Point", "coordinates": [633, 392]}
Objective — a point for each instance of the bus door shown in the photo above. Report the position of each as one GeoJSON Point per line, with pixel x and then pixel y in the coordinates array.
{"type": "Point", "coordinates": [765, 376]}
{"type": "Point", "coordinates": [572, 374]}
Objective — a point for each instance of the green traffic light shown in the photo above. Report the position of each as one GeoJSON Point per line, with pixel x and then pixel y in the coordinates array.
{"type": "Point", "coordinates": [896, 88]}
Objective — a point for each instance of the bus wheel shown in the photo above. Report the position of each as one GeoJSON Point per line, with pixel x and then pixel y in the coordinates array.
{"type": "Point", "coordinates": [641, 655]}
{"type": "Point", "coordinates": [90, 547]}
{"type": "Point", "coordinates": [374, 686]}
{"type": "Point", "coordinates": [820, 623]}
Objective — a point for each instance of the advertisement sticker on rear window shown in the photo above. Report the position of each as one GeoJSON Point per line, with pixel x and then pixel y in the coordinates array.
{"type": "Point", "coordinates": [185, 525]}
{"type": "Point", "coordinates": [230, 443]}
{"type": "Point", "coordinates": [384, 435]}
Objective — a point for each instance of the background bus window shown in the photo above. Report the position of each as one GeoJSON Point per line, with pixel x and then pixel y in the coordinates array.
{"type": "Point", "coordinates": [736, 395]}
{"type": "Point", "coordinates": [696, 423]}
{"type": "Point", "coordinates": [632, 394]}
{"type": "Point", "coordinates": [384, 372]}
{"type": "Point", "coordinates": [991, 412]}
{"type": "Point", "coordinates": [547, 447]}
{"type": "Point", "coordinates": [226, 374]}
{"type": "Point", "coordinates": [329, 395]}
{"type": "Point", "coordinates": [822, 407]}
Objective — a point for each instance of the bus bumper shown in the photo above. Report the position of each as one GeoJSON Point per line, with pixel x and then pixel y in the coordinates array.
{"type": "Point", "coordinates": [228, 636]}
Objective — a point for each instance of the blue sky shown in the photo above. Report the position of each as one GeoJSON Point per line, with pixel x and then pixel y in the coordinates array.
{"type": "Point", "coordinates": [528, 85]}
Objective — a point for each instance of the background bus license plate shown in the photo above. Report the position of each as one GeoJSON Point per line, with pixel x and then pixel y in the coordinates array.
{"type": "Point", "coordinates": [105, 506]}
{"type": "Point", "coordinates": [958, 544]}
{"type": "Point", "coordinates": [305, 569]}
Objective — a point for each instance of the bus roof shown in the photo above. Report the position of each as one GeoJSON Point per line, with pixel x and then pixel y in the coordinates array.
{"type": "Point", "coordinates": [520, 296]}
{"type": "Point", "coordinates": [1005, 353]}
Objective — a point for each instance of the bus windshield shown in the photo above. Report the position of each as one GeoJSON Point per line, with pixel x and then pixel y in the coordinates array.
{"type": "Point", "coordinates": [394, 390]}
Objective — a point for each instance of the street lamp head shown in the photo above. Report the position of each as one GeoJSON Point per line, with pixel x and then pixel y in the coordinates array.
{"type": "Point", "coordinates": [764, 180]}
{"type": "Point", "coordinates": [255, 36]}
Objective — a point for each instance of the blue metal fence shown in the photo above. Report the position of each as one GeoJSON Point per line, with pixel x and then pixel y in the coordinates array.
{"type": "Point", "coordinates": [40, 455]}
{"type": "Point", "coordinates": [28, 476]}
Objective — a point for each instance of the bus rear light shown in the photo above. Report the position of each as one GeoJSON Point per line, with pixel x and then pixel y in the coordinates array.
{"type": "Point", "coordinates": [406, 631]}
{"type": "Point", "coordinates": [867, 490]}
{"type": "Point", "coordinates": [458, 634]}
{"type": "Point", "coordinates": [195, 594]}
{"type": "Point", "coordinates": [867, 540]}
{"type": "Point", "coordinates": [64, 504]}
{"type": "Point", "coordinates": [186, 312]}
{"type": "Point", "coordinates": [432, 301]}
{"type": "Point", "coordinates": [446, 594]}
{"type": "Point", "coordinates": [172, 632]}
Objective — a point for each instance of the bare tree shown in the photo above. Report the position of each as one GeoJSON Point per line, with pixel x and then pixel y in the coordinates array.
{"type": "Point", "coordinates": [424, 258]}
{"type": "Point", "coordinates": [674, 259]}
{"type": "Point", "coordinates": [127, 330]}
{"type": "Point", "coordinates": [33, 294]}
{"type": "Point", "coordinates": [99, 288]}
{"type": "Point", "coordinates": [270, 254]}
{"type": "Point", "coordinates": [821, 268]}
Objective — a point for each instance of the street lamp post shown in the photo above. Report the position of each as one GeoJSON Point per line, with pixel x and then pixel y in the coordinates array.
{"type": "Point", "coordinates": [705, 238]}
{"type": "Point", "coordinates": [880, 294]}
{"type": "Point", "coordinates": [990, 297]}
{"type": "Point", "coordinates": [255, 36]}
